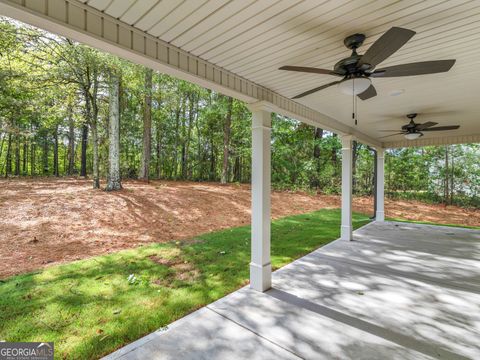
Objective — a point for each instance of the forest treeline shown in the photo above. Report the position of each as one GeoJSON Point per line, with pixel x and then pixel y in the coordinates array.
{"type": "Point", "coordinates": [65, 107]}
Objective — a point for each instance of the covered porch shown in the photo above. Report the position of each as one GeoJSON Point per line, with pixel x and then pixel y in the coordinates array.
{"type": "Point", "coordinates": [238, 49]}
{"type": "Point", "coordinates": [389, 290]}
{"type": "Point", "coordinates": [398, 291]}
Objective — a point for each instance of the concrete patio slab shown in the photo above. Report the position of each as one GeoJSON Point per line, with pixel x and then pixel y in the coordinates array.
{"type": "Point", "coordinates": [399, 291]}
{"type": "Point", "coordinates": [441, 254]}
{"type": "Point", "coordinates": [206, 335]}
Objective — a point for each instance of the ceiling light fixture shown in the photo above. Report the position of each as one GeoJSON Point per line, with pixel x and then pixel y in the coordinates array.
{"type": "Point", "coordinates": [413, 136]}
{"type": "Point", "coordinates": [354, 85]}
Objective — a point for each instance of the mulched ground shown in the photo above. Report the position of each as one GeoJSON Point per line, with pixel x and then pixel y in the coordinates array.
{"type": "Point", "coordinates": [51, 221]}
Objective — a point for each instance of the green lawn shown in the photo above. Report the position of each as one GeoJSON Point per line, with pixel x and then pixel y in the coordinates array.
{"type": "Point", "coordinates": [89, 308]}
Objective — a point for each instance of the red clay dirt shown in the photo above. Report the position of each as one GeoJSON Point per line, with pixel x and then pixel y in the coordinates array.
{"type": "Point", "coordinates": [51, 221]}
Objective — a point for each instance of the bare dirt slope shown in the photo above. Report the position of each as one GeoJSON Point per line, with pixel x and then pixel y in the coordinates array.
{"type": "Point", "coordinates": [46, 221]}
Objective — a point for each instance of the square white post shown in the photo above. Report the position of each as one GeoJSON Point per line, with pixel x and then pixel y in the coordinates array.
{"type": "Point", "coordinates": [380, 215]}
{"type": "Point", "coordinates": [260, 267]}
{"type": "Point", "coordinates": [346, 228]}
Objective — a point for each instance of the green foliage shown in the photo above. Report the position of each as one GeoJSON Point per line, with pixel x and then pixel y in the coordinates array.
{"type": "Point", "coordinates": [449, 174]}
{"type": "Point", "coordinates": [92, 307]}
{"type": "Point", "coordinates": [51, 84]}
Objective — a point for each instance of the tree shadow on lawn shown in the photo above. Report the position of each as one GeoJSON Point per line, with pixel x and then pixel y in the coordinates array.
{"type": "Point", "coordinates": [90, 307]}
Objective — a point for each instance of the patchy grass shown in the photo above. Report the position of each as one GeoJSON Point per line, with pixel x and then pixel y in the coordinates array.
{"type": "Point", "coordinates": [432, 223]}
{"type": "Point", "coordinates": [91, 307]}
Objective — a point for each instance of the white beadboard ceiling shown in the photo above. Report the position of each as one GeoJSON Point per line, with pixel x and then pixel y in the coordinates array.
{"type": "Point", "coordinates": [253, 38]}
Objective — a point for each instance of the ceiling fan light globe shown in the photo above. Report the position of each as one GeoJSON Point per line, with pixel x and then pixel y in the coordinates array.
{"type": "Point", "coordinates": [355, 85]}
{"type": "Point", "coordinates": [412, 136]}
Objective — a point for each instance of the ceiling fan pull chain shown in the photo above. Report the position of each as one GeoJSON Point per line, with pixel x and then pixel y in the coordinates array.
{"type": "Point", "coordinates": [355, 102]}
{"type": "Point", "coordinates": [353, 99]}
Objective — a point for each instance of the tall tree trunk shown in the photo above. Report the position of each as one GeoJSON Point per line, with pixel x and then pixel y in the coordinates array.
{"type": "Point", "coordinates": [83, 161]}
{"type": "Point", "coordinates": [17, 155]}
{"type": "Point", "coordinates": [192, 111]}
{"type": "Point", "coordinates": [32, 158]}
{"type": "Point", "coordinates": [183, 158]}
{"type": "Point", "coordinates": [354, 165]}
{"type": "Point", "coordinates": [334, 158]}
{"type": "Point", "coordinates": [199, 151]}
{"type": "Point", "coordinates": [446, 192]}
{"type": "Point", "coordinates": [71, 142]}
{"type": "Point", "coordinates": [452, 176]}
{"type": "Point", "coordinates": [96, 173]}
{"type": "Point", "coordinates": [236, 169]}
{"type": "Point", "coordinates": [25, 157]}
{"type": "Point", "coordinates": [92, 118]}
{"type": "Point", "coordinates": [226, 140]}
{"type": "Point", "coordinates": [55, 152]}
{"type": "Point", "coordinates": [64, 160]}
{"type": "Point", "coordinates": [114, 182]}
{"type": "Point", "coordinates": [316, 149]}
{"type": "Point", "coordinates": [45, 155]}
{"type": "Point", "coordinates": [4, 136]}
{"type": "Point", "coordinates": [159, 151]}
{"type": "Point", "coordinates": [212, 159]}
{"type": "Point", "coordinates": [8, 159]}
{"type": "Point", "coordinates": [318, 135]}
{"type": "Point", "coordinates": [147, 127]}
{"type": "Point", "coordinates": [175, 150]}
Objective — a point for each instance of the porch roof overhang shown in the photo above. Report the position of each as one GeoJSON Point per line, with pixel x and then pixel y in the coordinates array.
{"type": "Point", "coordinates": [235, 47]}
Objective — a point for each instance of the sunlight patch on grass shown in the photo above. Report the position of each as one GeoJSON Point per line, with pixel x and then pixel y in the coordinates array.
{"type": "Point", "coordinates": [90, 307]}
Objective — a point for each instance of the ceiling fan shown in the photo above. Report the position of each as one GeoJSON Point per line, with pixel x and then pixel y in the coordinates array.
{"type": "Point", "coordinates": [356, 70]}
{"type": "Point", "coordinates": [413, 131]}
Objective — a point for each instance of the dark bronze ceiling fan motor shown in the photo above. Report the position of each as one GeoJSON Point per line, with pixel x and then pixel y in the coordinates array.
{"type": "Point", "coordinates": [348, 66]}
{"type": "Point", "coordinates": [411, 125]}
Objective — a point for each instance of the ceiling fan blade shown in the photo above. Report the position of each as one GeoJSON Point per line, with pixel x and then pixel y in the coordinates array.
{"type": "Point", "coordinates": [308, 70]}
{"type": "Point", "coordinates": [388, 130]}
{"type": "Point", "coordinates": [442, 128]}
{"type": "Point", "coordinates": [386, 45]}
{"type": "Point", "coordinates": [315, 90]}
{"type": "Point", "coordinates": [425, 125]}
{"type": "Point", "coordinates": [400, 133]}
{"type": "Point", "coordinates": [369, 93]}
{"type": "Point", "coordinates": [419, 68]}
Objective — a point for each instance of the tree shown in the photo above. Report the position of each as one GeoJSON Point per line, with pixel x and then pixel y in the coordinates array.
{"type": "Point", "coordinates": [446, 179]}
{"type": "Point", "coordinates": [56, 171]}
{"type": "Point", "coordinates": [147, 127]}
{"type": "Point", "coordinates": [8, 167]}
{"type": "Point", "coordinates": [71, 140]}
{"type": "Point", "coordinates": [114, 182]}
{"type": "Point", "coordinates": [226, 140]}
{"type": "Point", "coordinates": [318, 135]}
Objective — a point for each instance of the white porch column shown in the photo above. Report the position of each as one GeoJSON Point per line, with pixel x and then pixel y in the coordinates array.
{"type": "Point", "coordinates": [380, 215]}
{"type": "Point", "coordinates": [260, 267]}
{"type": "Point", "coordinates": [346, 229]}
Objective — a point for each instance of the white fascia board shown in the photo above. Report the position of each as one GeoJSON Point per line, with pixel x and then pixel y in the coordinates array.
{"type": "Point", "coordinates": [317, 119]}
{"type": "Point", "coordinates": [82, 23]}
{"type": "Point", "coordinates": [444, 140]}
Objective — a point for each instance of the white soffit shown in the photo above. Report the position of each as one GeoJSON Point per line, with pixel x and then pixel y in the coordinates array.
{"type": "Point", "coordinates": [253, 38]}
